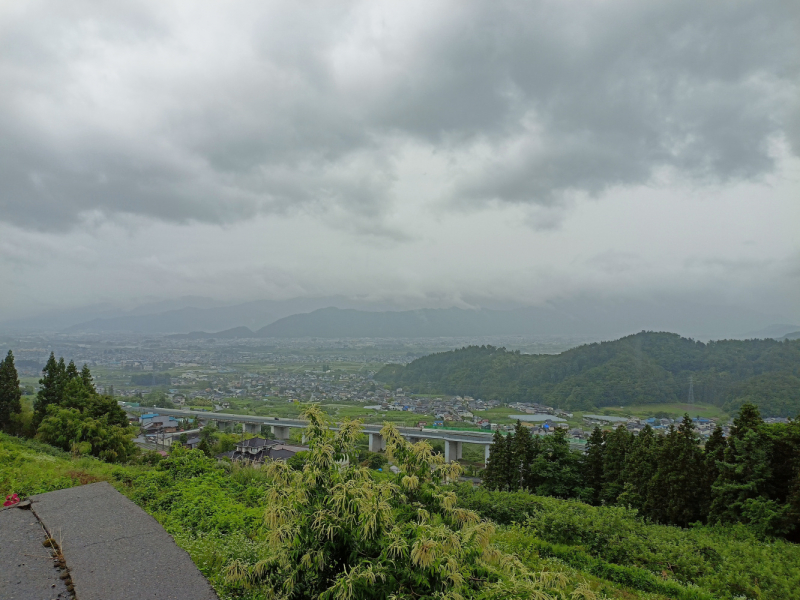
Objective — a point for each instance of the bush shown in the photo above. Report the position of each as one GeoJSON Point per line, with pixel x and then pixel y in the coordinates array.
{"type": "Point", "coordinates": [727, 561]}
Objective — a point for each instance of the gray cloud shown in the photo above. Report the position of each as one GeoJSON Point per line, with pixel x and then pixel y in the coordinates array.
{"type": "Point", "coordinates": [192, 112]}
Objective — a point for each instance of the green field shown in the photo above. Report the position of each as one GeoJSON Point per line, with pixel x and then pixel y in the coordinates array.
{"type": "Point", "coordinates": [674, 410]}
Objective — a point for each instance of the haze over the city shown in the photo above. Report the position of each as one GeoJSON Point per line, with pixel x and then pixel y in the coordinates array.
{"type": "Point", "coordinates": [400, 155]}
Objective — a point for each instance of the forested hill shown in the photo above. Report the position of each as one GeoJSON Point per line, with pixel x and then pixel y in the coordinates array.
{"type": "Point", "coordinates": [639, 369]}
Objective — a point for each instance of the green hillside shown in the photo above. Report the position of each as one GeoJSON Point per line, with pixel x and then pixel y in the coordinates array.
{"type": "Point", "coordinates": [645, 368]}
{"type": "Point", "coordinates": [216, 512]}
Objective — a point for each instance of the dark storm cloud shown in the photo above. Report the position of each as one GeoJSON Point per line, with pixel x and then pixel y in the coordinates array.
{"type": "Point", "coordinates": [192, 112]}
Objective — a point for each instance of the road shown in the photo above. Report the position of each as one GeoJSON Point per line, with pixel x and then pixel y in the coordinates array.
{"type": "Point", "coordinates": [452, 439]}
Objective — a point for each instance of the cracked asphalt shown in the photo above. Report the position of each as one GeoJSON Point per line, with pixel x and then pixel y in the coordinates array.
{"type": "Point", "coordinates": [27, 569]}
{"type": "Point", "coordinates": [113, 549]}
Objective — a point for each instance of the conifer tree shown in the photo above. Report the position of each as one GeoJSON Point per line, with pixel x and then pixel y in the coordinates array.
{"type": "Point", "coordinates": [10, 394]}
{"type": "Point", "coordinates": [713, 454]}
{"type": "Point", "coordinates": [675, 495]}
{"type": "Point", "coordinates": [557, 467]}
{"type": "Point", "coordinates": [593, 466]}
{"type": "Point", "coordinates": [640, 467]}
{"type": "Point", "coordinates": [783, 442]}
{"type": "Point", "coordinates": [71, 372]}
{"type": "Point", "coordinates": [531, 479]}
{"type": "Point", "coordinates": [744, 471]}
{"type": "Point", "coordinates": [76, 395]}
{"type": "Point", "coordinates": [747, 418]}
{"type": "Point", "coordinates": [50, 390]}
{"type": "Point", "coordinates": [86, 377]}
{"type": "Point", "coordinates": [61, 378]}
{"type": "Point", "coordinates": [521, 455]}
{"type": "Point", "coordinates": [492, 475]}
{"type": "Point", "coordinates": [508, 473]}
{"type": "Point", "coordinates": [618, 444]}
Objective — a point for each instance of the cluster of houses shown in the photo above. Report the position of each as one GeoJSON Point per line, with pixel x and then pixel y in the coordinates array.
{"type": "Point", "coordinates": [458, 409]}
{"type": "Point", "coordinates": [165, 430]}
{"type": "Point", "coordinates": [257, 450]}
{"type": "Point", "coordinates": [534, 408]}
{"type": "Point", "coordinates": [704, 427]}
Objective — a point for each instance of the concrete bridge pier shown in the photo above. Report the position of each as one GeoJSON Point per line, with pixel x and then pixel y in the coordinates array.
{"type": "Point", "coordinates": [486, 449]}
{"type": "Point", "coordinates": [254, 428]}
{"type": "Point", "coordinates": [376, 442]}
{"type": "Point", "coordinates": [452, 450]}
{"type": "Point", "coordinates": [281, 432]}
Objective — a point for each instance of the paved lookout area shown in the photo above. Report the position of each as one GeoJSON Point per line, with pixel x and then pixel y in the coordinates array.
{"type": "Point", "coordinates": [110, 549]}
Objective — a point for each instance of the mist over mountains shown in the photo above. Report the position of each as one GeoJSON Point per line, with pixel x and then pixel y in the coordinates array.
{"type": "Point", "coordinates": [338, 317]}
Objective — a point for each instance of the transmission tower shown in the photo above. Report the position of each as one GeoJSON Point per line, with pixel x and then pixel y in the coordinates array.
{"type": "Point", "coordinates": [691, 390]}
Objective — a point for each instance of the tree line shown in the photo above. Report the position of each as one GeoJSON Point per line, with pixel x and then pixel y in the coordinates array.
{"type": "Point", "coordinates": [644, 368]}
{"type": "Point", "coordinates": [67, 412]}
{"type": "Point", "coordinates": [751, 477]}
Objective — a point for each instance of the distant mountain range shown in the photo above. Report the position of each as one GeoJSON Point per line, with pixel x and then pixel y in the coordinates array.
{"type": "Point", "coordinates": [568, 318]}
{"type": "Point", "coordinates": [340, 317]}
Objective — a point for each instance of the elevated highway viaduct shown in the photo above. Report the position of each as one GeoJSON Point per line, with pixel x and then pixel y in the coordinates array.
{"type": "Point", "coordinates": [453, 440]}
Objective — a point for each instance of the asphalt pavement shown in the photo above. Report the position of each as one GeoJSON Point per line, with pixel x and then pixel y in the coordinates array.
{"type": "Point", "coordinates": [112, 550]}
{"type": "Point", "coordinates": [27, 568]}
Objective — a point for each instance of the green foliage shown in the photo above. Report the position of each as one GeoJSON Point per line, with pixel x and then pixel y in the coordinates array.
{"type": "Point", "coordinates": [70, 415]}
{"type": "Point", "coordinates": [616, 544]}
{"type": "Point", "coordinates": [546, 465]}
{"type": "Point", "coordinates": [617, 447]}
{"type": "Point", "coordinates": [335, 532]}
{"type": "Point", "coordinates": [328, 533]}
{"type": "Point", "coordinates": [593, 466]}
{"type": "Point", "coordinates": [675, 493]}
{"type": "Point", "coordinates": [645, 368]}
{"type": "Point", "coordinates": [556, 470]}
{"type": "Point", "coordinates": [149, 379]}
{"type": "Point", "coordinates": [10, 394]}
{"type": "Point", "coordinates": [50, 388]}
{"type": "Point", "coordinates": [372, 460]}
{"type": "Point", "coordinates": [641, 464]}
{"type": "Point", "coordinates": [76, 431]}
{"type": "Point", "coordinates": [776, 394]}
{"type": "Point", "coordinates": [754, 478]}
{"type": "Point", "coordinates": [747, 489]}
{"type": "Point", "coordinates": [157, 399]}
{"type": "Point", "coordinates": [495, 477]}
{"type": "Point", "coordinates": [29, 467]}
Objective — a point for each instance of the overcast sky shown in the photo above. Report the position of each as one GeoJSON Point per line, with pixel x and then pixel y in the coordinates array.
{"type": "Point", "coordinates": [425, 152]}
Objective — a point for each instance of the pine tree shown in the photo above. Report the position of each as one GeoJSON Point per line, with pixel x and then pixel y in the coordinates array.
{"type": "Point", "coordinates": [521, 455]}
{"type": "Point", "coordinates": [593, 466]}
{"type": "Point", "coordinates": [10, 394]}
{"type": "Point", "coordinates": [50, 390]}
{"type": "Point", "coordinates": [744, 471]}
{"type": "Point", "coordinates": [640, 467]}
{"type": "Point", "coordinates": [531, 479]}
{"type": "Point", "coordinates": [748, 418]}
{"type": "Point", "coordinates": [492, 475]}
{"type": "Point", "coordinates": [675, 494]}
{"type": "Point", "coordinates": [71, 372]}
{"type": "Point", "coordinates": [557, 468]}
{"type": "Point", "coordinates": [509, 476]}
{"type": "Point", "coordinates": [713, 454]}
{"type": "Point", "coordinates": [618, 444]}
{"type": "Point", "coordinates": [86, 377]}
